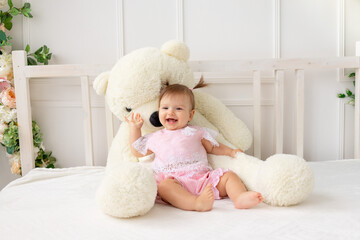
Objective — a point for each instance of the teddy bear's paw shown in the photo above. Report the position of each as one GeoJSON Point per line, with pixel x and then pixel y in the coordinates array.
{"type": "Point", "coordinates": [285, 180]}
{"type": "Point", "coordinates": [128, 190]}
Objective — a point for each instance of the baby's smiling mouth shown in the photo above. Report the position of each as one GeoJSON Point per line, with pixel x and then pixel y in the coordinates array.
{"type": "Point", "coordinates": [171, 120]}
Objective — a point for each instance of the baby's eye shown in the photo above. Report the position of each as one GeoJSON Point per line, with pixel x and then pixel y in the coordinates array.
{"type": "Point", "coordinates": [128, 109]}
{"type": "Point", "coordinates": [179, 108]}
{"type": "Point", "coordinates": [165, 108]}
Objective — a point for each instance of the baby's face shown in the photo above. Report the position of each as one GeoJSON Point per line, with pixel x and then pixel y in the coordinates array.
{"type": "Point", "coordinates": [175, 111]}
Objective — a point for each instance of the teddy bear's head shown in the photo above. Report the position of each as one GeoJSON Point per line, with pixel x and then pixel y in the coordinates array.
{"type": "Point", "coordinates": [135, 82]}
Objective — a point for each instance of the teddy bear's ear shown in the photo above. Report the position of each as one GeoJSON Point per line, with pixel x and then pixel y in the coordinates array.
{"type": "Point", "coordinates": [176, 49]}
{"type": "Point", "coordinates": [101, 82]}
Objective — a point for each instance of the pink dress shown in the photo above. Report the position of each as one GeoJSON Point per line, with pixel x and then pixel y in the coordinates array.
{"type": "Point", "coordinates": [180, 155]}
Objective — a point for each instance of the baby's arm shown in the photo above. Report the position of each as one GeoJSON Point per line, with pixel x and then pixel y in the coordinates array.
{"type": "Point", "coordinates": [135, 133]}
{"type": "Point", "coordinates": [219, 150]}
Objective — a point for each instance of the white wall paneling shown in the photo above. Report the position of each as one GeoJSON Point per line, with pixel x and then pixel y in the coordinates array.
{"type": "Point", "coordinates": [341, 36]}
{"type": "Point", "coordinates": [120, 40]}
{"type": "Point", "coordinates": [277, 29]}
{"type": "Point", "coordinates": [224, 29]}
{"type": "Point", "coordinates": [180, 20]}
{"type": "Point", "coordinates": [357, 106]}
{"type": "Point", "coordinates": [149, 23]}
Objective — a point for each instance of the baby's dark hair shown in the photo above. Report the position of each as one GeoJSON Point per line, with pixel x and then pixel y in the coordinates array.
{"type": "Point", "coordinates": [182, 89]}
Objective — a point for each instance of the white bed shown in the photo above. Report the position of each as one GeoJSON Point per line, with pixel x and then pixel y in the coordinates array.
{"type": "Point", "coordinates": [60, 203]}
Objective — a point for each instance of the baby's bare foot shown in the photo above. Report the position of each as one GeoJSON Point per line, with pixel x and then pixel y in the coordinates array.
{"type": "Point", "coordinates": [205, 201]}
{"type": "Point", "coordinates": [248, 199]}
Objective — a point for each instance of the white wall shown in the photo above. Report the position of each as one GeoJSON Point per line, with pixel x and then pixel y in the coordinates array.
{"type": "Point", "coordinates": [101, 32]}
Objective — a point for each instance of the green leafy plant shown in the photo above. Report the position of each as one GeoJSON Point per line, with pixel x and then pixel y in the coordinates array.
{"type": "Point", "coordinates": [44, 159]}
{"type": "Point", "coordinates": [349, 94]}
{"type": "Point", "coordinates": [4, 40]}
{"type": "Point", "coordinates": [11, 143]}
{"type": "Point", "coordinates": [42, 55]}
{"type": "Point", "coordinates": [6, 18]}
{"type": "Point", "coordinates": [11, 138]}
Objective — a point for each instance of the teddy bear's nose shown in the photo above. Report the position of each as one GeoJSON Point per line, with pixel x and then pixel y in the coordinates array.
{"type": "Point", "coordinates": [154, 119]}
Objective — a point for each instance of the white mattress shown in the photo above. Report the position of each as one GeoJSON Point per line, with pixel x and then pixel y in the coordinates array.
{"type": "Point", "coordinates": [59, 204]}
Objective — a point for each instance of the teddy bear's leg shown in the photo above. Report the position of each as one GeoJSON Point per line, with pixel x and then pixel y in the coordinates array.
{"type": "Point", "coordinates": [282, 179]}
{"type": "Point", "coordinates": [127, 190]}
{"type": "Point", "coordinates": [285, 180]}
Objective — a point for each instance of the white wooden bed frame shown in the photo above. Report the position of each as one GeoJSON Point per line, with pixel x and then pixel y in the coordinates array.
{"type": "Point", "coordinates": [23, 74]}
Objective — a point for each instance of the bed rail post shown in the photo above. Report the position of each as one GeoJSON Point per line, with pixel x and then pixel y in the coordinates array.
{"type": "Point", "coordinates": [257, 113]}
{"type": "Point", "coordinates": [87, 120]}
{"type": "Point", "coordinates": [279, 111]}
{"type": "Point", "coordinates": [357, 105]}
{"type": "Point", "coordinates": [23, 106]}
{"type": "Point", "coordinates": [299, 119]}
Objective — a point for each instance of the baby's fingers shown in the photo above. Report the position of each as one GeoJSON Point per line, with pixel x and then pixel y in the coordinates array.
{"type": "Point", "coordinates": [131, 118]}
{"type": "Point", "coordinates": [138, 117]}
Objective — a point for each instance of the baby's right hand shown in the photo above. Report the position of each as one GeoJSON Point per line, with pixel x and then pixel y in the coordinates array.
{"type": "Point", "coordinates": [136, 122]}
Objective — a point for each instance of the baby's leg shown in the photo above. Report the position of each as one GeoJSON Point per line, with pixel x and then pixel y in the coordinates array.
{"type": "Point", "coordinates": [231, 185]}
{"type": "Point", "coordinates": [171, 191]}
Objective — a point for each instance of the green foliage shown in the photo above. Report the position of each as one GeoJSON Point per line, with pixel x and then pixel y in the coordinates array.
{"type": "Point", "coordinates": [42, 55]}
{"type": "Point", "coordinates": [44, 159]}
{"type": "Point", "coordinates": [11, 143]}
{"type": "Point", "coordinates": [4, 40]}
{"type": "Point", "coordinates": [11, 138]}
{"type": "Point", "coordinates": [7, 16]}
{"type": "Point", "coordinates": [37, 136]}
{"type": "Point", "coordinates": [348, 93]}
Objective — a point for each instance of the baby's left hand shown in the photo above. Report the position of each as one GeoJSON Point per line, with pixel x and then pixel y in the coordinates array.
{"type": "Point", "coordinates": [234, 152]}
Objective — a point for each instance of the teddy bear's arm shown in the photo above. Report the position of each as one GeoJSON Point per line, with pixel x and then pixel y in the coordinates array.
{"type": "Point", "coordinates": [120, 147]}
{"type": "Point", "coordinates": [232, 128]}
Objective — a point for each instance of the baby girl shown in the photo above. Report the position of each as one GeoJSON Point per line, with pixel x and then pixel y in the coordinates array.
{"type": "Point", "coordinates": [183, 175]}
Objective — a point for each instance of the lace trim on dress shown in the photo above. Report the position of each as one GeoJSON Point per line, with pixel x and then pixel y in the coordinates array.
{"type": "Point", "coordinates": [140, 145]}
{"type": "Point", "coordinates": [194, 162]}
{"type": "Point", "coordinates": [210, 135]}
{"type": "Point", "coordinates": [188, 131]}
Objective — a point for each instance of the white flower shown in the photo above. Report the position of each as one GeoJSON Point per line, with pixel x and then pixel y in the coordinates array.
{"type": "Point", "coordinates": [7, 115]}
{"type": "Point", "coordinates": [5, 62]}
{"type": "Point", "coordinates": [3, 3]}
{"type": "Point", "coordinates": [36, 150]}
{"type": "Point", "coordinates": [15, 157]}
{"type": "Point", "coordinates": [14, 160]}
{"type": "Point", "coordinates": [3, 126]}
{"type": "Point", "coordinates": [42, 146]}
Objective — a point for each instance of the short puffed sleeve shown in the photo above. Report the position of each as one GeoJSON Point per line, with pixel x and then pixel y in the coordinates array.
{"type": "Point", "coordinates": [142, 144]}
{"type": "Point", "coordinates": [210, 135]}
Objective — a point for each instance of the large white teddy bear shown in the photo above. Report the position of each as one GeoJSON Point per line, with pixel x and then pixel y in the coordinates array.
{"type": "Point", "coordinates": [133, 85]}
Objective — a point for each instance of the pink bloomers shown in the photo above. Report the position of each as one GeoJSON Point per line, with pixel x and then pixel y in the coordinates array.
{"type": "Point", "coordinates": [195, 182]}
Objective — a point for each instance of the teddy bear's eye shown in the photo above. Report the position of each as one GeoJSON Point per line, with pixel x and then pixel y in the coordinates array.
{"type": "Point", "coordinates": [128, 109]}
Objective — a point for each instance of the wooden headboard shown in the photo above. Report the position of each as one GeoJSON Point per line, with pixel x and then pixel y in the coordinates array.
{"type": "Point", "coordinates": [23, 74]}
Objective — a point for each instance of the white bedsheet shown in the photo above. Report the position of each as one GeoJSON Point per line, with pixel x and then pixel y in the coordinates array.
{"type": "Point", "coordinates": [59, 204]}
